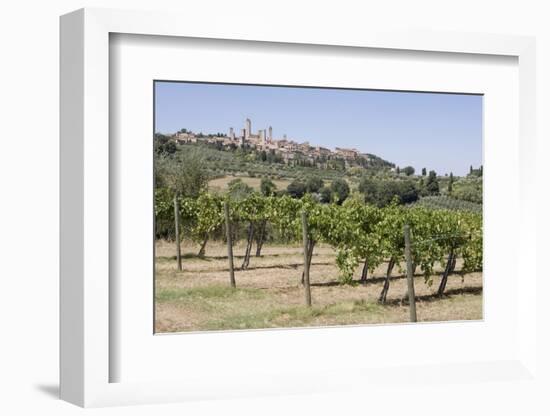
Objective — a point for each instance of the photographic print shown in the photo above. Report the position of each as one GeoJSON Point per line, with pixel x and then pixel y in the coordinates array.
{"type": "Point", "coordinates": [290, 206]}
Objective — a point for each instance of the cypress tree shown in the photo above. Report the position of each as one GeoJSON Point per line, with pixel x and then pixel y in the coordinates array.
{"type": "Point", "coordinates": [450, 186]}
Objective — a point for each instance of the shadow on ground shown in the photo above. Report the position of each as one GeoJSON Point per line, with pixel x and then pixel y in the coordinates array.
{"type": "Point", "coordinates": [51, 390]}
{"type": "Point", "coordinates": [435, 297]}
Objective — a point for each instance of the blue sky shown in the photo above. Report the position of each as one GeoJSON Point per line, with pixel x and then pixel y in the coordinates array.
{"type": "Point", "coordinates": [442, 132]}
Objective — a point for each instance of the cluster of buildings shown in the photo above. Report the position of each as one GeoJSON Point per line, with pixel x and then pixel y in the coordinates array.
{"type": "Point", "coordinates": [263, 140]}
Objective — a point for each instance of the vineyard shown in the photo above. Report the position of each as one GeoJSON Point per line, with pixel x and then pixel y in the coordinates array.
{"type": "Point", "coordinates": [360, 242]}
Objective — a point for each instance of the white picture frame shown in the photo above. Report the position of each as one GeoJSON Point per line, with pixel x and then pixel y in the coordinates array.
{"type": "Point", "coordinates": [87, 356]}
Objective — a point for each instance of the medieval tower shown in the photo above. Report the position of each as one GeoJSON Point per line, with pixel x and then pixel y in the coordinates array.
{"type": "Point", "coordinates": [248, 128]}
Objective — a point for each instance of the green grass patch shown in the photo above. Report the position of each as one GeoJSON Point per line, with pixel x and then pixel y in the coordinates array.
{"type": "Point", "coordinates": [207, 292]}
{"type": "Point", "coordinates": [351, 307]}
{"type": "Point", "coordinates": [294, 317]}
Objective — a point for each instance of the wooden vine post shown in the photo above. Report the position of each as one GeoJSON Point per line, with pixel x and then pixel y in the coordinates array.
{"type": "Point", "coordinates": [229, 244]}
{"type": "Point", "coordinates": [177, 225]}
{"type": "Point", "coordinates": [410, 274]}
{"type": "Point", "coordinates": [306, 259]}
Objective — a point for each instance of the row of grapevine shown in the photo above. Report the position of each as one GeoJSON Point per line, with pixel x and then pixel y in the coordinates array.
{"type": "Point", "coordinates": [445, 202]}
{"type": "Point", "coordinates": [360, 233]}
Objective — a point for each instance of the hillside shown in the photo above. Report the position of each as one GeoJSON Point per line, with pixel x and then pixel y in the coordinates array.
{"type": "Point", "coordinates": [378, 180]}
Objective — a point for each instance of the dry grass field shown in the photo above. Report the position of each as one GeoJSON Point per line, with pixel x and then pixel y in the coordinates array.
{"type": "Point", "coordinates": [269, 295]}
{"type": "Point", "coordinates": [220, 184]}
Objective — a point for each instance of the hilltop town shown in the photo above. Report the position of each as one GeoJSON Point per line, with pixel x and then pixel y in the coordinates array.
{"type": "Point", "coordinates": [288, 149]}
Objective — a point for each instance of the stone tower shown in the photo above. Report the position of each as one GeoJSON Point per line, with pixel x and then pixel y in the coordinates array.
{"type": "Point", "coordinates": [248, 128]}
